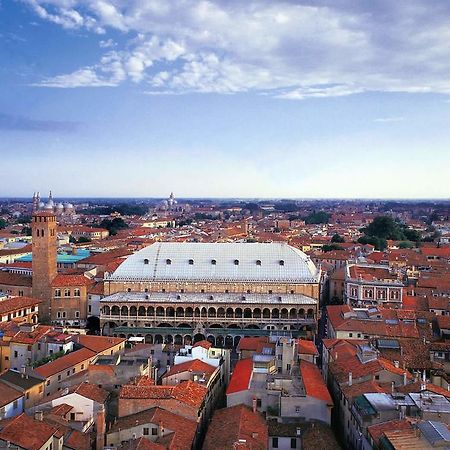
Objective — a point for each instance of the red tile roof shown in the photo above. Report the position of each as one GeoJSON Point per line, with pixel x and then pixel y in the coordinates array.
{"type": "Point", "coordinates": [28, 433]}
{"type": "Point", "coordinates": [230, 425]}
{"type": "Point", "coordinates": [313, 382]}
{"type": "Point", "coordinates": [65, 362]}
{"type": "Point", "coordinates": [204, 344]}
{"type": "Point", "coordinates": [15, 303]}
{"type": "Point", "coordinates": [305, 347]}
{"type": "Point", "coordinates": [242, 375]}
{"type": "Point", "coordinates": [8, 394]}
{"type": "Point", "coordinates": [98, 344]}
{"type": "Point", "coordinates": [377, 431]}
{"type": "Point", "coordinates": [71, 280]}
{"type": "Point", "coordinates": [195, 365]}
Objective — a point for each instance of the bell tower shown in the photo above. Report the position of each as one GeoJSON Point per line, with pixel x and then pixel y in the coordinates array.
{"type": "Point", "coordinates": [44, 248]}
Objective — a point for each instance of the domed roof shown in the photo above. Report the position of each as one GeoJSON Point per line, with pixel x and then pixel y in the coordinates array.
{"type": "Point", "coordinates": [228, 262]}
{"type": "Point", "coordinates": [49, 205]}
{"type": "Point", "coordinates": [59, 206]}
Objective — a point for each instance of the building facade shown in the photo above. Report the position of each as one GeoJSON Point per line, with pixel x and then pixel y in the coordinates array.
{"type": "Point", "coordinates": [187, 292]}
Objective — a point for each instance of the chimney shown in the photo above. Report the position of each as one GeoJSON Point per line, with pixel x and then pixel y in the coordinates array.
{"type": "Point", "coordinates": [101, 429]}
{"type": "Point", "coordinates": [149, 367]}
{"type": "Point", "coordinates": [161, 429]}
{"type": "Point", "coordinates": [39, 415]}
{"type": "Point", "coordinates": [392, 387]}
{"type": "Point", "coordinates": [254, 403]}
{"type": "Point", "coordinates": [350, 378]}
{"type": "Point", "coordinates": [405, 379]}
{"type": "Point", "coordinates": [396, 364]}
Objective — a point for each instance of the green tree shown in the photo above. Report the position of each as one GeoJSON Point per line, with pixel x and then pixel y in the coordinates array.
{"type": "Point", "coordinates": [337, 238]}
{"type": "Point", "coordinates": [2, 224]}
{"type": "Point", "coordinates": [330, 247]}
{"type": "Point", "coordinates": [317, 217]}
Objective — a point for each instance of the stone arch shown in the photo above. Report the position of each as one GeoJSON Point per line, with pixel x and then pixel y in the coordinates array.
{"type": "Point", "coordinates": [229, 313]}
{"type": "Point", "coordinates": [148, 339]}
{"type": "Point", "coordinates": [220, 341]}
{"type": "Point", "coordinates": [179, 312]}
{"type": "Point", "coordinates": [133, 311]}
{"type": "Point", "coordinates": [199, 337]}
{"type": "Point", "coordinates": [292, 313]}
{"type": "Point", "coordinates": [252, 327]}
{"type": "Point", "coordinates": [183, 325]}
{"type": "Point", "coordinates": [247, 313]}
{"type": "Point", "coordinates": [216, 325]}
{"type": "Point", "coordinates": [234, 326]}
{"type": "Point", "coordinates": [170, 312]}
{"type": "Point", "coordinates": [212, 312]}
{"type": "Point", "coordinates": [106, 310]}
{"type": "Point", "coordinates": [236, 340]}
{"type": "Point", "coordinates": [197, 312]}
{"type": "Point", "coordinates": [187, 340]}
{"type": "Point", "coordinates": [124, 311]}
{"type": "Point", "coordinates": [257, 313]}
{"type": "Point", "coordinates": [284, 313]}
{"type": "Point", "coordinates": [229, 341]}
{"type": "Point", "coordinates": [211, 339]}
{"type": "Point", "coordinates": [159, 311]}
{"type": "Point", "coordinates": [221, 312]}
{"type": "Point", "coordinates": [238, 313]}
{"type": "Point", "coordinates": [310, 313]}
{"type": "Point", "coordinates": [189, 312]}
{"type": "Point", "coordinates": [203, 312]}
{"type": "Point", "coordinates": [115, 311]}
{"type": "Point", "coordinates": [108, 328]}
{"type": "Point", "coordinates": [158, 339]}
{"type": "Point", "coordinates": [266, 313]}
{"type": "Point", "coordinates": [301, 313]}
{"type": "Point", "coordinates": [178, 339]}
{"type": "Point", "coordinates": [150, 311]}
{"type": "Point", "coordinates": [141, 311]}
{"type": "Point", "coordinates": [275, 313]}
{"type": "Point", "coordinates": [164, 325]}
{"type": "Point", "coordinates": [168, 339]}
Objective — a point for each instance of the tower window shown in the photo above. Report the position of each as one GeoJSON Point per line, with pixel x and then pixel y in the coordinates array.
{"type": "Point", "coordinates": [168, 262]}
{"type": "Point", "coordinates": [258, 262]}
{"type": "Point", "coordinates": [66, 292]}
{"type": "Point", "coordinates": [236, 262]}
{"type": "Point", "coordinates": [191, 262]}
{"type": "Point", "coordinates": [281, 262]}
{"type": "Point", "coordinates": [76, 292]}
{"type": "Point", "coordinates": [146, 261]}
{"type": "Point", "coordinates": [57, 292]}
{"type": "Point", "coordinates": [42, 233]}
{"type": "Point", "coordinates": [213, 262]}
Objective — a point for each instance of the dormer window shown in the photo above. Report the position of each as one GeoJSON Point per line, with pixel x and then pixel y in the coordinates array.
{"type": "Point", "coordinates": [146, 261]}
{"type": "Point", "coordinates": [191, 262]}
{"type": "Point", "coordinates": [281, 262]}
{"type": "Point", "coordinates": [236, 262]}
{"type": "Point", "coordinates": [258, 262]}
{"type": "Point", "coordinates": [168, 262]}
{"type": "Point", "coordinates": [213, 262]}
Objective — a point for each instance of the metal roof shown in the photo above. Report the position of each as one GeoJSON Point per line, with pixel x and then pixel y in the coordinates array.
{"type": "Point", "coordinates": [226, 262]}
{"type": "Point", "coordinates": [435, 432]}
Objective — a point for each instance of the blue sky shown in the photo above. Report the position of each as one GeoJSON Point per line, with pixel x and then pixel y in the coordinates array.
{"type": "Point", "coordinates": [225, 98]}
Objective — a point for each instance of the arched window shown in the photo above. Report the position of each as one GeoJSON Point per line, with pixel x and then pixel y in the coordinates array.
{"type": "Point", "coordinates": [236, 262]}
{"type": "Point", "coordinates": [213, 262]}
{"type": "Point", "coordinates": [146, 261]}
{"type": "Point", "coordinates": [258, 262]}
{"type": "Point", "coordinates": [168, 262]}
{"type": "Point", "coordinates": [281, 262]}
{"type": "Point", "coordinates": [191, 262]}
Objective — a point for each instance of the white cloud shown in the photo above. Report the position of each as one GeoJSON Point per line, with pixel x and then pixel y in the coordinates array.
{"type": "Point", "coordinates": [292, 50]}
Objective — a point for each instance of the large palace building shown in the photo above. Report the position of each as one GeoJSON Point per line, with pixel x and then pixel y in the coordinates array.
{"type": "Point", "coordinates": [185, 292]}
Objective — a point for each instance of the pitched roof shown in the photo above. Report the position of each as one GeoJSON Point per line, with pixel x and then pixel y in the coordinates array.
{"type": "Point", "coordinates": [15, 279]}
{"type": "Point", "coordinates": [65, 362]}
{"type": "Point", "coordinates": [314, 383]}
{"type": "Point", "coordinates": [229, 425]}
{"type": "Point", "coordinates": [196, 365]}
{"type": "Point", "coordinates": [188, 392]}
{"type": "Point", "coordinates": [378, 430]}
{"type": "Point", "coordinates": [98, 344]}
{"type": "Point", "coordinates": [71, 280]}
{"type": "Point", "coordinates": [241, 377]}
{"type": "Point", "coordinates": [305, 347]}
{"type": "Point", "coordinates": [27, 433]}
{"type": "Point", "coordinates": [183, 429]}
{"type": "Point", "coordinates": [204, 343]}
{"type": "Point", "coordinates": [8, 394]}
{"type": "Point", "coordinates": [14, 303]}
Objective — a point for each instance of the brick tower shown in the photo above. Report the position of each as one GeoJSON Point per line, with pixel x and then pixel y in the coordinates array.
{"type": "Point", "coordinates": [44, 246]}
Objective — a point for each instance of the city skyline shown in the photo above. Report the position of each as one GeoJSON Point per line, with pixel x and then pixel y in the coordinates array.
{"type": "Point", "coordinates": [213, 99]}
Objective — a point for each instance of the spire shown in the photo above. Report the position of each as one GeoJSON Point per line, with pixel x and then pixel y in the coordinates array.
{"type": "Point", "coordinates": [50, 197]}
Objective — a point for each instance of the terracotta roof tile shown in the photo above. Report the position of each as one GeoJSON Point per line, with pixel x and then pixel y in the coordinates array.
{"type": "Point", "coordinates": [313, 382]}
{"type": "Point", "coordinates": [241, 377]}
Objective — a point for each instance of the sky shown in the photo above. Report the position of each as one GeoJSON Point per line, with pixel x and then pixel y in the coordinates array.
{"type": "Point", "coordinates": [226, 98]}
